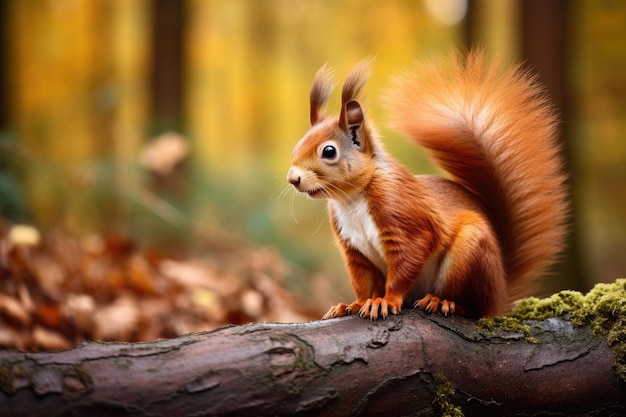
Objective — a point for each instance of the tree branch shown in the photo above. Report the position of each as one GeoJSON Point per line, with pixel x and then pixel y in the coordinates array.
{"type": "Point", "coordinates": [346, 366]}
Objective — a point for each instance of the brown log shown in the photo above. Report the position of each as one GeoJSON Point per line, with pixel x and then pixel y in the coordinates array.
{"type": "Point", "coordinates": [340, 367]}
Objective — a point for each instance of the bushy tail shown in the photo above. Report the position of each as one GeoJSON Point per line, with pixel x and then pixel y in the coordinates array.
{"type": "Point", "coordinates": [495, 133]}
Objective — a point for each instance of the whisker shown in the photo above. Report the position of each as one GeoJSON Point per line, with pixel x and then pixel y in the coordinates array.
{"type": "Point", "coordinates": [275, 195]}
{"type": "Point", "coordinates": [285, 145]}
{"type": "Point", "coordinates": [319, 226]}
{"type": "Point", "coordinates": [292, 211]}
{"type": "Point", "coordinates": [338, 189]}
{"type": "Point", "coordinates": [332, 190]}
{"type": "Point", "coordinates": [285, 190]}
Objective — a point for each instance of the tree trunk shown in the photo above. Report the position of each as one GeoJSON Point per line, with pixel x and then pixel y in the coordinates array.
{"type": "Point", "coordinates": [341, 367]}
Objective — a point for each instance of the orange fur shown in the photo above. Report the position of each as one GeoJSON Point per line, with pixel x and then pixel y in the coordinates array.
{"type": "Point", "coordinates": [468, 245]}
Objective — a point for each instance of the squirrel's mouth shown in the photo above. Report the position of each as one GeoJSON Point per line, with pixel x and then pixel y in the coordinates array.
{"type": "Point", "coordinates": [314, 193]}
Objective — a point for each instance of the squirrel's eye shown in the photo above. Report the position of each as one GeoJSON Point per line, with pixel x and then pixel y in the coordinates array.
{"type": "Point", "coordinates": [329, 152]}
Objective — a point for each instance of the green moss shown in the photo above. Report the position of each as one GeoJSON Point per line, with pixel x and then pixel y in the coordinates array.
{"type": "Point", "coordinates": [506, 323]}
{"type": "Point", "coordinates": [532, 339]}
{"type": "Point", "coordinates": [603, 308]}
{"type": "Point", "coordinates": [442, 405]}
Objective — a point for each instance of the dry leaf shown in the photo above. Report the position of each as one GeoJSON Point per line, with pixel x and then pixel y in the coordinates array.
{"type": "Point", "coordinates": [79, 309]}
{"type": "Point", "coordinates": [116, 321]}
{"type": "Point", "coordinates": [64, 291]}
{"type": "Point", "coordinates": [24, 235]}
{"type": "Point", "coordinates": [14, 310]}
{"type": "Point", "coordinates": [10, 339]}
{"type": "Point", "coordinates": [164, 153]}
{"type": "Point", "coordinates": [46, 339]}
{"type": "Point", "coordinates": [49, 314]}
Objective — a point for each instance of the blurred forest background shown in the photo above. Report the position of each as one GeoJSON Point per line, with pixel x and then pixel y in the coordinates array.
{"type": "Point", "coordinates": [145, 144]}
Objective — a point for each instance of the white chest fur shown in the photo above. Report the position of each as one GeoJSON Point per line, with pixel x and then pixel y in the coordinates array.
{"type": "Point", "coordinates": [357, 227]}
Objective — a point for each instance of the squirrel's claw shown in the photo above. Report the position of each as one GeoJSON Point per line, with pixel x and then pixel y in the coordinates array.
{"type": "Point", "coordinates": [382, 306]}
{"type": "Point", "coordinates": [365, 310]}
{"type": "Point", "coordinates": [432, 304]}
{"type": "Point", "coordinates": [354, 308]}
{"type": "Point", "coordinates": [341, 310]}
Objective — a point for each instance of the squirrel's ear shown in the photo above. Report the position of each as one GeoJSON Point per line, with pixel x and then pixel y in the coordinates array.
{"type": "Point", "coordinates": [351, 89]}
{"type": "Point", "coordinates": [353, 121]}
{"type": "Point", "coordinates": [354, 113]}
{"type": "Point", "coordinates": [320, 90]}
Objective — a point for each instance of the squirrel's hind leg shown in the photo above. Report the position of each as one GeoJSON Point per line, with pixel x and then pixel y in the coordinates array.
{"type": "Point", "coordinates": [470, 279]}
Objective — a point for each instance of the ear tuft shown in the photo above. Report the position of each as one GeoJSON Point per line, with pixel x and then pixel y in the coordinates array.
{"type": "Point", "coordinates": [352, 87]}
{"type": "Point", "coordinates": [320, 91]}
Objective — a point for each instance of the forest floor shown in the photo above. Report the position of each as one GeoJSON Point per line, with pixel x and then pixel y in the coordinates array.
{"type": "Point", "coordinates": [57, 291]}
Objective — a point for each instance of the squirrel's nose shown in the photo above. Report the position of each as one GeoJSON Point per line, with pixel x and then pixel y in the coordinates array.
{"type": "Point", "coordinates": [293, 176]}
{"type": "Point", "coordinates": [294, 180]}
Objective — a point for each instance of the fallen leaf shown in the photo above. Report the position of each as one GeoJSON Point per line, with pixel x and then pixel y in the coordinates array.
{"type": "Point", "coordinates": [10, 339]}
{"type": "Point", "coordinates": [79, 309]}
{"type": "Point", "coordinates": [14, 310]}
{"type": "Point", "coordinates": [24, 235]}
{"type": "Point", "coordinates": [46, 339]}
{"type": "Point", "coordinates": [116, 321]}
{"type": "Point", "coordinates": [49, 314]}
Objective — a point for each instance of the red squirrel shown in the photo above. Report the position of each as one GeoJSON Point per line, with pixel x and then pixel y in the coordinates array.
{"type": "Point", "coordinates": [469, 244]}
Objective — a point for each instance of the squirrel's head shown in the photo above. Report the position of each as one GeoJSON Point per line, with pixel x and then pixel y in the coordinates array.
{"type": "Point", "coordinates": [335, 157]}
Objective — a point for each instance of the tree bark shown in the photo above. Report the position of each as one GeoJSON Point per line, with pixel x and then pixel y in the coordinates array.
{"type": "Point", "coordinates": [340, 367]}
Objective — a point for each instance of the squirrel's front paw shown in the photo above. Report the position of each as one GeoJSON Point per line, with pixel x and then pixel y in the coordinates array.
{"type": "Point", "coordinates": [339, 310]}
{"type": "Point", "coordinates": [432, 304]}
{"type": "Point", "coordinates": [384, 306]}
